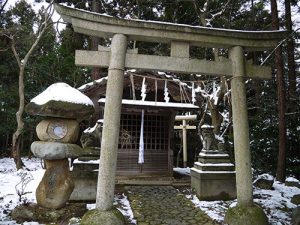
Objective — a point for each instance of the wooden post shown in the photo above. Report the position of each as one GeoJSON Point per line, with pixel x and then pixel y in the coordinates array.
{"type": "Point", "coordinates": [184, 143]}
{"type": "Point", "coordinates": [184, 127]}
{"type": "Point", "coordinates": [241, 128]}
{"type": "Point", "coordinates": [111, 126]}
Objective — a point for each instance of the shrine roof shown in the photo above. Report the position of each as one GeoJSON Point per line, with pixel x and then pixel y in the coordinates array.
{"type": "Point", "coordinates": [177, 89]}
{"type": "Point", "coordinates": [140, 73]}
{"type": "Point", "coordinates": [173, 105]}
{"type": "Point", "coordinates": [100, 25]}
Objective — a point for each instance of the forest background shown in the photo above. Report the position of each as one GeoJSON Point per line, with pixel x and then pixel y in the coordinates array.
{"type": "Point", "coordinates": [273, 105]}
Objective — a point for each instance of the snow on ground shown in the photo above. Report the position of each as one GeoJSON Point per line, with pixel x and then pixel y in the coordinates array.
{"type": "Point", "coordinates": [9, 178]}
{"type": "Point", "coordinates": [276, 203]}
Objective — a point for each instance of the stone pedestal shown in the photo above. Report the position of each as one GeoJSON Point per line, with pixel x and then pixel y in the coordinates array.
{"type": "Point", "coordinates": [213, 176]}
{"type": "Point", "coordinates": [85, 175]}
{"type": "Point", "coordinates": [56, 186]}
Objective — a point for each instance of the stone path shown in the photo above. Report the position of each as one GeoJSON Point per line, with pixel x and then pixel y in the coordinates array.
{"type": "Point", "coordinates": [164, 205]}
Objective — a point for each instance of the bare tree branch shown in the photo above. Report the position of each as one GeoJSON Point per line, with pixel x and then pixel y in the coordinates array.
{"type": "Point", "coordinates": [2, 7]}
{"type": "Point", "coordinates": [279, 45]}
{"type": "Point", "coordinates": [45, 22]}
{"type": "Point", "coordinates": [45, 25]}
{"type": "Point", "coordinates": [13, 47]}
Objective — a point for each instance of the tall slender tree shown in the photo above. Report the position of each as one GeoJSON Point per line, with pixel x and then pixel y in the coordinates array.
{"type": "Point", "coordinates": [22, 58]}
{"type": "Point", "coordinates": [290, 52]}
{"type": "Point", "coordinates": [281, 163]}
{"type": "Point", "coordinates": [95, 41]}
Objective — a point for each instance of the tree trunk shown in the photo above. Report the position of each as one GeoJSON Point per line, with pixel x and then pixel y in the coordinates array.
{"type": "Point", "coordinates": [16, 139]}
{"type": "Point", "coordinates": [95, 42]}
{"type": "Point", "coordinates": [20, 124]}
{"type": "Point", "coordinates": [280, 174]}
{"type": "Point", "coordinates": [290, 53]}
{"type": "Point", "coordinates": [30, 141]}
{"type": "Point", "coordinates": [6, 141]}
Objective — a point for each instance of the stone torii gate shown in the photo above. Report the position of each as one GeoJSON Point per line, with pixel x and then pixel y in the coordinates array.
{"type": "Point", "coordinates": [184, 127]}
{"type": "Point", "coordinates": [180, 37]}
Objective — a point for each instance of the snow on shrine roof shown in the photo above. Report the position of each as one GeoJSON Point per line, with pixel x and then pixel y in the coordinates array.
{"type": "Point", "coordinates": [85, 87]}
{"type": "Point", "coordinates": [127, 73]}
{"type": "Point", "coordinates": [62, 92]}
{"type": "Point", "coordinates": [155, 104]}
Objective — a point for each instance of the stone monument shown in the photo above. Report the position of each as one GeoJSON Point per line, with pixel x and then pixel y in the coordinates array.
{"type": "Point", "coordinates": [213, 176]}
{"type": "Point", "coordinates": [85, 168]}
{"type": "Point", "coordinates": [62, 107]}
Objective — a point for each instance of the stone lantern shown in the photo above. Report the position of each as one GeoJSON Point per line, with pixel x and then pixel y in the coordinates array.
{"type": "Point", "coordinates": [62, 107]}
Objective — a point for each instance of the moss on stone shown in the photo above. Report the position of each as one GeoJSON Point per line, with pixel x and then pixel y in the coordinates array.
{"type": "Point", "coordinates": [296, 199]}
{"type": "Point", "coordinates": [33, 212]}
{"type": "Point", "coordinates": [96, 217]}
{"type": "Point", "coordinates": [246, 215]}
{"type": "Point", "coordinates": [60, 109]}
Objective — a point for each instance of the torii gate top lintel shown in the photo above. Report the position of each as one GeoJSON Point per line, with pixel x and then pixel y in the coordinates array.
{"type": "Point", "coordinates": [105, 26]}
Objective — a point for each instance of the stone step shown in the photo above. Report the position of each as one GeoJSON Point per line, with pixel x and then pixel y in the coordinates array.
{"type": "Point", "coordinates": [86, 158]}
{"type": "Point", "coordinates": [214, 166]}
{"type": "Point", "coordinates": [212, 154]}
{"type": "Point", "coordinates": [214, 160]}
{"type": "Point", "coordinates": [82, 166]}
{"type": "Point", "coordinates": [92, 151]}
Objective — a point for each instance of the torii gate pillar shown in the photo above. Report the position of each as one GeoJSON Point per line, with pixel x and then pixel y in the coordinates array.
{"type": "Point", "coordinates": [245, 210]}
{"type": "Point", "coordinates": [104, 212]}
{"type": "Point", "coordinates": [241, 128]}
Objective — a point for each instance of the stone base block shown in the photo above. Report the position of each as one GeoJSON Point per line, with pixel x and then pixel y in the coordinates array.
{"type": "Point", "coordinates": [85, 185]}
{"type": "Point", "coordinates": [246, 215]}
{"type": "Point", "coordinates": [97, 217]}
{"type": "Point", "coordinates": [213, 185]}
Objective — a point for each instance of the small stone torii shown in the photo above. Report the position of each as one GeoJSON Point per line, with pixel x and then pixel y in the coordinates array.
{"type": "Point", "coordinates": [184, 127]}
{"type": "Point", "coordinates": [180, 38]}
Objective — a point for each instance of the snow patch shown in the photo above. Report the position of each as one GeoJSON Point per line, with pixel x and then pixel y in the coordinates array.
{"type": "Point", "coordinates": [211, 172]}
{"type": "Point", "coordinates": [90, 129]}
{"type": "Point", "coordinates": [213, 164]}
{"type": "Point", "coordinates": [291, 179]}
{"type": "Point", "coordinates": [265, 176]}
{"type": "Point", "coordinates": [76, 161]}
{"type": "Point", "coordinates": [183, 171]}
{"type": "Point", "coordinates": [62, 92]}
{"type": "Point", "coordinates": [206, 126]}
{"type": "Point", "coordinates": [85, 86]}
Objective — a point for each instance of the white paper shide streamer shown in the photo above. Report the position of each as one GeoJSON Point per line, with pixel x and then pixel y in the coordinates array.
{"type": "Point", "coordinates": [141, 144]}
{"type": "Point", "coordinates": [166, 94]}
{"type": "Point", "coordinates": [143, 90]}
{"type": "Point", "coordinates": [193, 93]}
